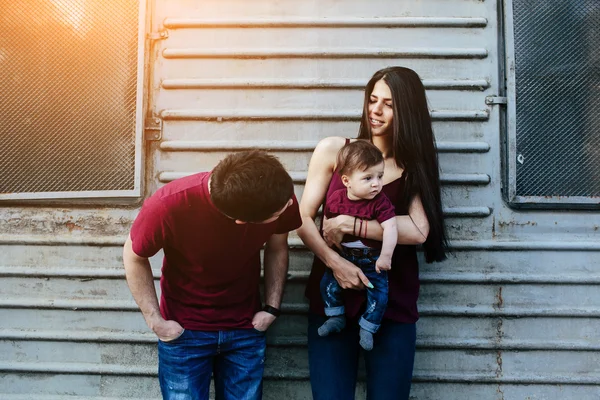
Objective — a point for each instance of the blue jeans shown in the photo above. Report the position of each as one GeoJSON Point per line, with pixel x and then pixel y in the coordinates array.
{"type": "Point", "coordinates": [235, 358]}
{"type": "Point", "coordinates": [333, 361]}
{"type": "Point", "coordinates": [377, 298]}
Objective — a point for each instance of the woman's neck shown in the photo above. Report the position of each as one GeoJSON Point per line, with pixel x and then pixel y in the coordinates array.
{"type": "Point", "coordinates": [384, 144]}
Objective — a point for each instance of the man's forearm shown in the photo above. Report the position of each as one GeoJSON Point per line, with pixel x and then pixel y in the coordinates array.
{"type": "Point", "coordinates": [276, 267]}
{"type": "Point", "coordinates": [141, 283]}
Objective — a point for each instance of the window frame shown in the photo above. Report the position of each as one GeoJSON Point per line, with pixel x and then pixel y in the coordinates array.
{"type": "Point", "coordinates": [136, 192]}
{"type": "Point", "coordinates": [508, 69]}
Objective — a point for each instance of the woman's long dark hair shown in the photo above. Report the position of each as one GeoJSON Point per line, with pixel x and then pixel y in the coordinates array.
{"type": "Point", "coordinates": [413, 148]}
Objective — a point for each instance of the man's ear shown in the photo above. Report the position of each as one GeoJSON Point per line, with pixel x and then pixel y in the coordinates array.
{"type": "Point", "coordinates": [346, 180]}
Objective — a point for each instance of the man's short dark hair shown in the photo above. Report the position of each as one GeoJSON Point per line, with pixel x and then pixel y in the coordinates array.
{"type": "Point", "coordinates": [358, 155]}
{"type": "Point", "coordinates": [250, 186]}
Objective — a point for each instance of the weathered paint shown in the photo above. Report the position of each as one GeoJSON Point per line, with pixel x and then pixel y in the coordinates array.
{"type": "Point", "coordinates": [513, 314]}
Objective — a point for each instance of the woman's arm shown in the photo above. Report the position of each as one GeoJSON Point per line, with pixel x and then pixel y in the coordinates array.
{"type": "Point", "coordinates": [412, 228]}
{"type": "Point", "coordinates": [320, 171]}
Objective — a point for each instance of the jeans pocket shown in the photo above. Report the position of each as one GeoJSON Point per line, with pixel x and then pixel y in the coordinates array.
{"type": "Point", "coordinates": [259, 331]}
{"type": "Point", "coordinates": [175, 339]}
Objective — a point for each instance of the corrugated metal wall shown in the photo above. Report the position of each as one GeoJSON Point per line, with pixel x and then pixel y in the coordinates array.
{"type": "Point", "coordinates": [513, 314]}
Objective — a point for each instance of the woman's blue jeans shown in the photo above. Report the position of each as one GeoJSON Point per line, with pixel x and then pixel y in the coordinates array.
{"type": "Point", "coordinates": [333, 361]}
{"type": "Point", "coordinates": [235, 358]}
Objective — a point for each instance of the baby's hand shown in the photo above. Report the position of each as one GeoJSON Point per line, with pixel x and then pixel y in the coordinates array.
{"type": "Point", "coordinates": [383, 264]}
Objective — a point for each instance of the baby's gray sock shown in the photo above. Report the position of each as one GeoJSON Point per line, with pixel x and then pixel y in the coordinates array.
{"type": "Point", "coordinates": [333, 324]}
{"type": "Point", "coordinates": [366, 339]}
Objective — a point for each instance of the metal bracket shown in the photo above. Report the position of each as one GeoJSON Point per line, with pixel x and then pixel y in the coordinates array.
{"type": "Point", "coordinates": [153, 128]}
{"type": "Point", "coordinates": [160, 35]}
{"type": "Point", "coordinates": [491, 100]}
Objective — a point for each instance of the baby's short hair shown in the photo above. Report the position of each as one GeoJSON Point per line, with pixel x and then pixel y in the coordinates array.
{"type": "Point", "coordinates": [360, 154]}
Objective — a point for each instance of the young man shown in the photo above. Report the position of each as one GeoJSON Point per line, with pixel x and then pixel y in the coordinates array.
{"type": "Point", "coordinates": [211, 227]}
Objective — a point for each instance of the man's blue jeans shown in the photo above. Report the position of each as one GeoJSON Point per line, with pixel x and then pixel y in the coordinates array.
{"type": "Point", "coordinates": [376, 298]}
{"type": "Point", "coordinates": [235, 358]}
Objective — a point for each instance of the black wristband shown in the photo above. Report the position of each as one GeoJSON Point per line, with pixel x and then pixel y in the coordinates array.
{"type": "Point", "coordinates": [272, 310]}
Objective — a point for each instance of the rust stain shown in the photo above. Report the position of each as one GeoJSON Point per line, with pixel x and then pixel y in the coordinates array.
{"type": "Point", "coordinates": [498, 342]}
{"type": "Point", "coordinates": [500, 299]}
{"type": "Point", "coordinates": [499, 305]}
{"type": "Point", "coordinates": [500, 392]}
{"type": "Point", "coordinates": [58, 222]}
{"type": "Point", "coordinates": [71, 226]}
{"type": "Point", "coordinates": [506, 224]}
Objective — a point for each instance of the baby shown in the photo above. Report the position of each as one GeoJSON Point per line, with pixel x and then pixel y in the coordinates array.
{"type": "Point", "coordinates": [360, 165]}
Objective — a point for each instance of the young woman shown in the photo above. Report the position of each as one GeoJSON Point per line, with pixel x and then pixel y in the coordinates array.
{"type": "Point", "coordinates": [395, 119]}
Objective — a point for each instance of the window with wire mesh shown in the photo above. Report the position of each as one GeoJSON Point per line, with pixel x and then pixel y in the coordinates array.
{"type": "Point", "coordinates": [557, 53]}
{"type": "Point", "coordinates": [68, 73]}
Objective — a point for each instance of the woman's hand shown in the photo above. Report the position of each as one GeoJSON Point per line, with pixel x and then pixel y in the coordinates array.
{"type": "Point", "coordinates": [335, 228]}
{"type": "Point", "coordinates": [348, 275]}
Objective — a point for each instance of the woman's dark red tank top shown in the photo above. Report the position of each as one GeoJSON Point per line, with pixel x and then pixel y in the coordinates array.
{"type": "Point", "coordinates": [403, 277]}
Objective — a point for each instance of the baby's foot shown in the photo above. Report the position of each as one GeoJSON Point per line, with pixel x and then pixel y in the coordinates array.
{"type": "Point", "coordinates": [333, 324]}
{"type": "Point", "coordinates": [366, 339]}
